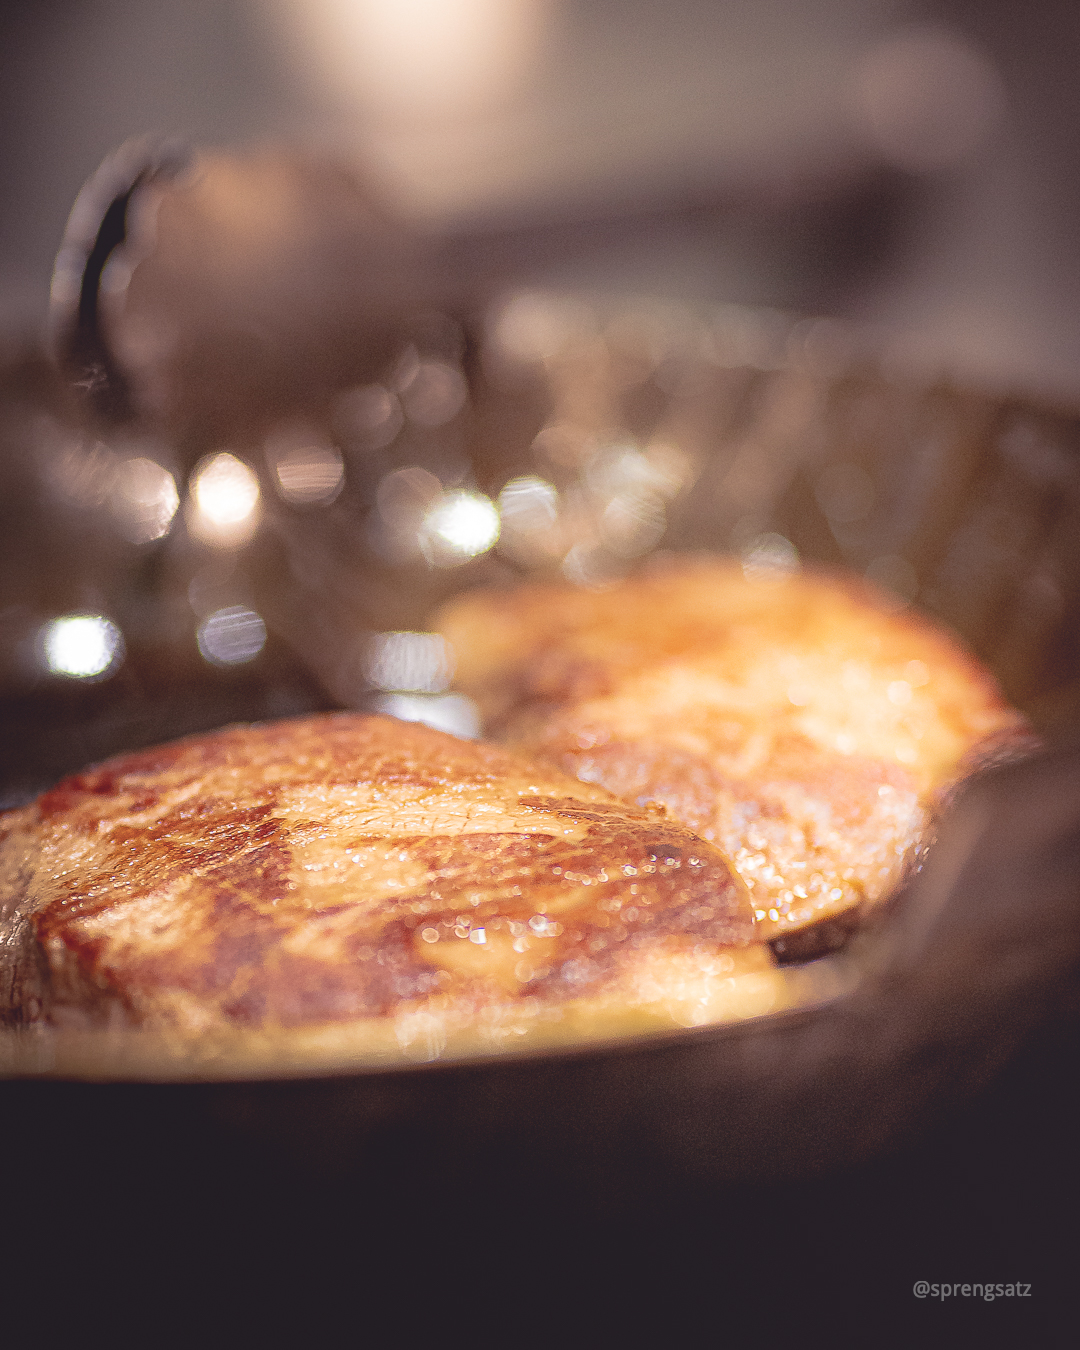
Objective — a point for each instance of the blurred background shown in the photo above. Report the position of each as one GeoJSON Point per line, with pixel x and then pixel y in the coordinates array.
{"type": "Point", "coordinates": [431, 293]}
{"type": "Point", "coordinates": [910, 163]}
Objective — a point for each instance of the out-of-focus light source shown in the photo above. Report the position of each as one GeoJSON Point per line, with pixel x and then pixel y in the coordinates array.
{"type": "Point", "coordinates": [529, 499]}
{"type": "Point", "coordinates": [231, 636]}
{"type": "Point", "coordinates": [926, 98]}
{"type": "Point", "coordinates": [633, 488]}
{"type": "Point", "coordinates": [417, 663]}
{"type": "Point", "coordinates": [632, 524]}
{"type": "Point", "coordinates": [623, 468]}
{"type": "Point", "coordinates": [529, 515]}
{"type": "Point", "coordinates": [769, 557]}
{"type": "Point", "coordinates": [147, 500]}
{"type": "Point", "coordinates": [225, 493]}
{"type": "Point", "coordinates": [459, 526]}
{"type": "Point", "coordinates": [307, 470]}
{"type": "Point", "coordinates": [453, 713]}
{"type": "Point", "coordinates": [406, 60]}
{"type": "Point", "coordinates": [82, 646]}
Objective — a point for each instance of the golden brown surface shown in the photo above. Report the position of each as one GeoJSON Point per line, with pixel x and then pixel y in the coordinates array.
{"type": "Point", "coordinates": [359, 870]}
{"type": "Point", "coordinates": [791, 719]}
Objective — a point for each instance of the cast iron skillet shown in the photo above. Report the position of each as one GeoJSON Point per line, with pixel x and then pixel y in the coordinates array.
{"type": "Point", "coordinates": [979, 954]}
{"type": "Point", "coordinates": [980, 951]}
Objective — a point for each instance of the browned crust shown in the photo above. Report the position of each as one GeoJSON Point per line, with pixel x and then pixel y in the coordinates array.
{"type": "Point", "coordinates": [812, 834]}
{"type": "Point", "coordinates": [269, 876]}
{"type": "Point", "coordinates": [671, 686]}
{"type": "Point", "coordinates": [549, 645]}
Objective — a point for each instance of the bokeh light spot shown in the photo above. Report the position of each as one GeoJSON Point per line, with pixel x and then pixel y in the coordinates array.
{"type": "Point", "coordinates": [459, 526]}
{"type": "Point", "coordinates": [409, 662]}
{"type": "Point", "coordinates": [231, 636]}
{"type": "Point", "coordinates": [225, 492]}
{"type": "Point", "coordinates": [82, 646]}
{"type": "Point", "coordinates": [453, 713]}
{"type": "Point", "coordinates": [768, 557]}
{"type": "Point", "coordinates": [307, 473]}
{"type": "Point", "coordinates": [529, 520]}
{"type": "Point", "coordinates": [147, 500]}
